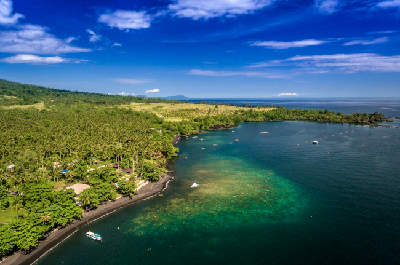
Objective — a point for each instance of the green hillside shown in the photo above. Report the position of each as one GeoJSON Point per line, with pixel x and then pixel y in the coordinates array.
{"type": "Point", "coordinates": [14, 93]}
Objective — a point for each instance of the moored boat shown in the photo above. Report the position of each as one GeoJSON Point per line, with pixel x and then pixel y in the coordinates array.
{"type": "Point", "coordinates": [93, 236]}
{"type": "Point", "coordinates": [315, 142]}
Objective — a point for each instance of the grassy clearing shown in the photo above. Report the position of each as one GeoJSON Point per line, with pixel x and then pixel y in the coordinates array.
{"type": "Point", "coordinates": [59, 185]}
{"type": "Point", "coordinates": [9, 96]}
{"type": "Point", "coordinates": [9, 215]}
{"type": "Point", "coordinates": [184, 111]}
{"type": "Point", "coordinates": [38, 106]}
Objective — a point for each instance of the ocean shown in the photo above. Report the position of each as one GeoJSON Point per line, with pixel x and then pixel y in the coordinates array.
{"type": "Point", "coordinates": [271, 198]}
{"type": "Point", "coordinates": [389, 107]}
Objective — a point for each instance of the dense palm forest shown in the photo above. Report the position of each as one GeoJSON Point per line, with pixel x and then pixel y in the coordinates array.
{"type": "Point", "coordinates": [14, 93]}
{"type": "Point", "coordinates": [75, 137]}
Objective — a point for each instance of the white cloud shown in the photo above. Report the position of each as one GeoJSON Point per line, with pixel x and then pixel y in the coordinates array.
{"type": "Point", "coordinates": [124, 94]}
{"type": "Point", "coordinates": [6, 16]}
{"type": "Point", "coordinates": [123, 19]}
{"type": "Point", "coordinates": [366, 42]}
{"type": "Point", "coordinates": [389, 3]}
{"type": "Point", "coordinates": [33, 59]}
{"type": "Point", "coordinates": [383, 32]}
{"type": "Point", "coordinates": [133, 81]}
{"type": "Point", "coordinates": [117, 44]}
{"type": "Point", "coordinates": [349, 63]}
{"type": "Point", "coordinates": [30, 39]}
{"type": "Point", "coordinates": [230, 73]}
{"type": "Point", "coordinates": [326, 6]}
{"type": "Point", "coordinates": [288, 44]}
{"type": "Point", "coordinates": [264, 64]}
{"type": "Point", "coordinates": [214, 73]}
{"type": "Point", "coordinates": [33, 39]}
{"type": "Point", "coordinates": [93, 36]}
{"type": "Point", "coordinates": [206, 9]}
{"type": "Point", "coordinates": [342, 63]}
{"type": "Point", "coordinates": [70, 39]}
{"type": "Point", "coordinates": [153, 91]}
{"type": "Point", "coordinates": [287, 94]}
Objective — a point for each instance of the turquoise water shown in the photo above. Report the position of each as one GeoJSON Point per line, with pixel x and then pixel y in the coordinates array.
{"type": "Point", "coordinates": [266, 199]}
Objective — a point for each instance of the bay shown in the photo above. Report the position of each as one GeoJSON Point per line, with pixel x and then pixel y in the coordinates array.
{"type": "Point", "coordinates": [268, 198]}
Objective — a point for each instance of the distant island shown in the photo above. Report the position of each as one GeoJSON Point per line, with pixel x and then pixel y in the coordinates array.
{"type": "Point", "coordinates": [177, 97]}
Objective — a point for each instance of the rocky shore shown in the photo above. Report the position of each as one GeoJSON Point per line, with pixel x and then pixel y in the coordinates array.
{"type": "Point", "coordinates": [219, 127]}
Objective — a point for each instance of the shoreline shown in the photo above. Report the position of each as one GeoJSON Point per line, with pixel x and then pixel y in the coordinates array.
{"type": "Point", "coordinates": [58, 236]}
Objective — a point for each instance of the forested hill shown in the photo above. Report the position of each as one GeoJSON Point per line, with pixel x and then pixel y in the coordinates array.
{"type": "Point", "coordinates": [14, 93]}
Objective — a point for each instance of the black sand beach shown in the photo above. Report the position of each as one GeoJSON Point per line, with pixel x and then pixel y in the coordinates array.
{"type": "Point", "coordinates": [56, 237]}
{"type": "Point", "coordinates": [59, 235]}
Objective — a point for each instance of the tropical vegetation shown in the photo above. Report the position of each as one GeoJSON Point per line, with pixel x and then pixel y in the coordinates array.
{"type": "Point", "coordinates": [88, 138]}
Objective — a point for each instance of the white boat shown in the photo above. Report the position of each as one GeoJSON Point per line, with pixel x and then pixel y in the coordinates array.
{"type": "Point", "coordinates": [264, 132]}
{"type": "Point", "coordinates": [93, 236]}
{"type": "Point", "coordinates": [315, 142]}
{"type": "Point", "coordinates": [194, 185]}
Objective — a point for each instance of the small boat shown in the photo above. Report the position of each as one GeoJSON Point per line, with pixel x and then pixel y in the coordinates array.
{"type": "Point", "coordinates": [264, 132]}
{"type": "Point", "coordinates": [194, 185]}
{"type": "Point", "coordinates": [315, 142]}
{"type": "Point", "coordinates": [215, 144]}
{"type": "Point", "coordinates": [194, 137]}
{"type": "Point", "coordinates": [93, 236]}
{"type": "Point", "coordinates": [236, 140]}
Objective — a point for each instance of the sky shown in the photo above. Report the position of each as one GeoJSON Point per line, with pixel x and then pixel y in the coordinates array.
{"type": "Point", "coordinates": [204, 48]}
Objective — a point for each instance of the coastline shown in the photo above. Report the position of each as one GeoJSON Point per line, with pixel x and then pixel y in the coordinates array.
{"type": "Point", "coordinates": [58, 236]}
{"type": "Point", "coordinates": [176, 139]}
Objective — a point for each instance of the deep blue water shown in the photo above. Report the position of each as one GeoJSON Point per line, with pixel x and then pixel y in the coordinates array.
{"type": "Point", "coordinates": [266, 199]}
{"type": "Point", "coordinates": [389, 107]}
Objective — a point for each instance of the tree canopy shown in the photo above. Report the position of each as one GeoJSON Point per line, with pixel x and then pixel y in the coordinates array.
{"type": "Point", "coordinates": [75, 131]}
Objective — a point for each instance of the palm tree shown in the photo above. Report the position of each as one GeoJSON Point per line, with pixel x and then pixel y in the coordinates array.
{"type": "Point", "coordinates": [86, 199]}
{"type": "Point", "coordinates": [46, 218]}
{"type": "Point", "coordinates": [17, 204]}
{"type": "Point", "coordinates": [70, 176]}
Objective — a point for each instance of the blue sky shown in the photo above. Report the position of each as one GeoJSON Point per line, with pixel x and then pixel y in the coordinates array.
{"type": "Point", "coordinates": [205, 48]}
